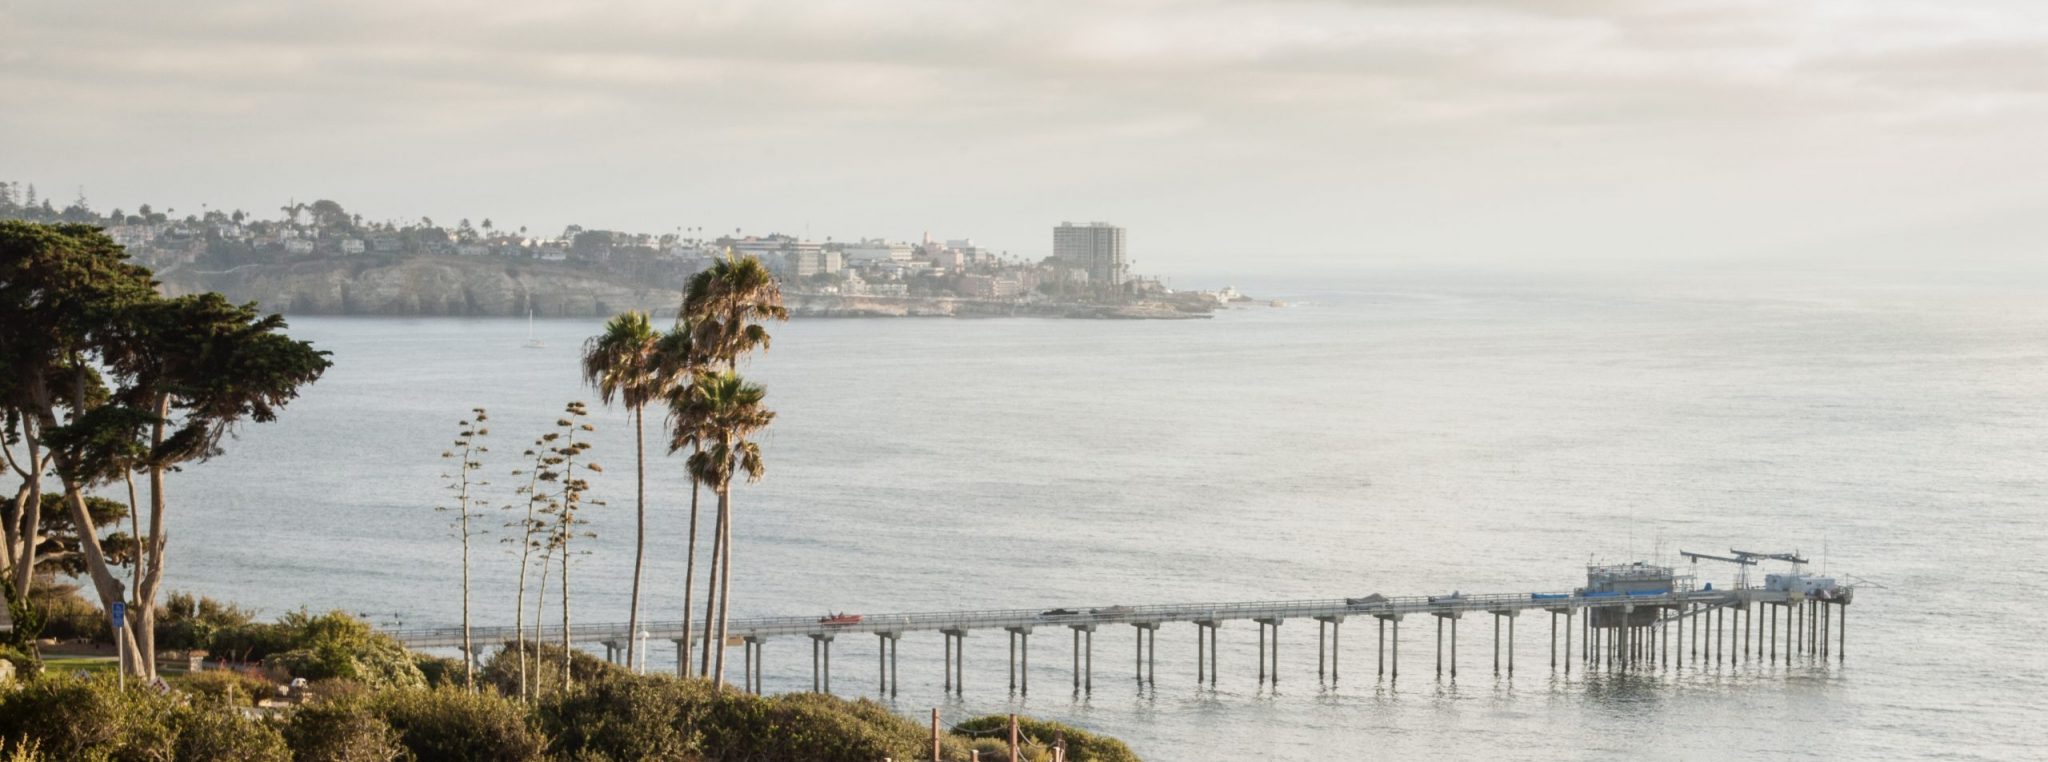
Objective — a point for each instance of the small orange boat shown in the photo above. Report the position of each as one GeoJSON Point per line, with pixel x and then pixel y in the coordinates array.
{"type": "Point", "coordinates": [839, 619]}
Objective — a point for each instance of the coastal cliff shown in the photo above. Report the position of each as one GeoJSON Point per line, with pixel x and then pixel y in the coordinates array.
{"type": "Point", "coordinates": [426, 285]}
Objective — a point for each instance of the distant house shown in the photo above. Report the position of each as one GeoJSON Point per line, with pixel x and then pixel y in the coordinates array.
{"type": "Point", "coordinates": [472, 249]}
{"type": "Point", "coordinates": [351, 245]}
{"type": "Point", "coordinates": [386, 243]}
{"type": "Point", "coordinates": [298, 246]}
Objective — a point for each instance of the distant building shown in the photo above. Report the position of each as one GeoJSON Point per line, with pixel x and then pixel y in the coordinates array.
{"type": "Point", "coordinates": [808, 263]}
{"type": "Point", "coordinates": [298, 246]}
{"type": "Point", "coordinates": [351, 245]}
{"type": "Point", "coordinates": [1096, 248]}
{"type": "Point", "coordinates": [869, 252]}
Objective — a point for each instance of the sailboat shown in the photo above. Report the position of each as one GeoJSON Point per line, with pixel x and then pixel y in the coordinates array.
{"type": "Point", "coordinates": [531, 341]}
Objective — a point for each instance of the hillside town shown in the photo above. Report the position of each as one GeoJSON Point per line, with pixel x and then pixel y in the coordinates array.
{"type": "Point", "coordinates": [1088, 266]}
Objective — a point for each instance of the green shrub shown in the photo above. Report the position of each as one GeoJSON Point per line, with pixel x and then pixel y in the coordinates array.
{"type": "Point", "coordinates": [455, 724]}
{"type": "Point", "coordinates": [68, 616]}
{"type": "Point", "coordinates": [225, 687]}
{"type": "Point", "coordinates": [206, 733]}
{"type": "Point", "coordinates": [254, 641]}
{"type": "Point", "coordinates": [1082, 746]}
{"type": "Point", "coordinates": [340, 730]}
{"type": "Point", "coordinates": [90, 720]}
{"type": "Point", "coordinates": [338, 646]}
{"type": "Point", "coordinates": [186, 623]}
{"type": "Point", "coordinates": [439, 671]}
{"type": "Point", "coordinates": [626, 718]}
{"type": "Point", "coordinates": [816, 727]}
{"type": "Point", "coordinates": [543, 669]}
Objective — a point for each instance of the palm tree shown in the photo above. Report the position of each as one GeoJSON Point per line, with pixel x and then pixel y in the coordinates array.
{"type": "Point", "coordinates": [677, 363]}
{"type": "Point", "coordinates": [722, 310]}
{"type": "Point", "coordinates": [722, 411]}
{"type": "Point", "coordinates": [621, 363]}
{"type": "Point", "coordinates": [726, 305]}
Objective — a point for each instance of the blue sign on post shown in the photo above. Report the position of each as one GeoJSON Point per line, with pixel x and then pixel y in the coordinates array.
{"type": "Point", "coordinates": [120, 613]}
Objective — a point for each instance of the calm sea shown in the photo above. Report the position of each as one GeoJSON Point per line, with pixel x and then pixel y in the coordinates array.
{"type": "Point", "coordinates": [1410, 435]}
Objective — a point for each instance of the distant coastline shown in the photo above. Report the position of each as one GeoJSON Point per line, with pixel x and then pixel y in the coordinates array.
{"type": "Point", "coordinates": [456, 286]}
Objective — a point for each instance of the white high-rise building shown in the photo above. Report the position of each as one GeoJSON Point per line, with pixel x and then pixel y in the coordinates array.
{"type": "Point", "coordinates": [1096, 248]}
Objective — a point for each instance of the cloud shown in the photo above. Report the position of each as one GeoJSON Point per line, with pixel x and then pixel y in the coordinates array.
{"type": "Point", "coordinates": [990, 114]}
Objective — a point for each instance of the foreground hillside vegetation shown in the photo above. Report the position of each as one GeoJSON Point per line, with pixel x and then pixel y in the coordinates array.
{"type": "Point", "coordinates": [370, 700]}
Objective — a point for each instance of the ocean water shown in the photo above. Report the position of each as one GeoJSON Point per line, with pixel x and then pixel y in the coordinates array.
{"type": "Point", "coordinates": [1403, 435]}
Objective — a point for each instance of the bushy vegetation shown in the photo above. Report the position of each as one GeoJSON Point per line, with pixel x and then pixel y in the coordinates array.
{"type": "Point", "coordinates": [1082, 746]}
{"type": "Point", "coordinates": [614, 716]}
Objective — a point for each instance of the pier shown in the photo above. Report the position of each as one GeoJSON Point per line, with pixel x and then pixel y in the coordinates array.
{"type": "Point", "coordinates": [1627, 617]}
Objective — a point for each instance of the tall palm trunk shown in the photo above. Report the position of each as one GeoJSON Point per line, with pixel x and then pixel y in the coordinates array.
{"type": "Point", "coordinates": [711, 598]}
{"type": "Point", "coordinates": [725, 572]}
{"type": "Point", "coordinates": [689, 580]}
{"type": "Point", "coordinates": [639, 537]}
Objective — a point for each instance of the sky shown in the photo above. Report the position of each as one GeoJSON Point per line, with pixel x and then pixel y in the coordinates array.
{"type": "Point", "coordinates": [1223, 134]}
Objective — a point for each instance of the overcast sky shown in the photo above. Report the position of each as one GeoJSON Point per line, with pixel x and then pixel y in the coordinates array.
{"type": "Point", "coordinates": [1222, 134]}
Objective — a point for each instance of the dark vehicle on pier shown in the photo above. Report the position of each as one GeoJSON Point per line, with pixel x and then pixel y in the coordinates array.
{"type": "Point", "coordinates": [1367, 602]}
{"type": "Point", "coordinates": [1111, 610]}
{"type": "Point", "coordinates": [1058, 613]}
{"type": "Point", "coordinates": [1453, 597]}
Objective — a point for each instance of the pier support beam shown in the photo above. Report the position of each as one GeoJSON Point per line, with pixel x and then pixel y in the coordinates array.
{"type": "Point", "coordinates": [1084, 680]}
{"type": "Point", "coordinates": [956, 661]}
{"type": "Point", "coordinates": [1333, 625]}
{"type": "Point", "coordinates": [1273, 654]}
{"type": "Point", "coordinates": [885, 662]}
{"type": "Point", "coordinates": [1205, 635]}
{"type": "Point", "coordinates": [753, 663]}
{"type": "Point", "coordinates": [1510, 615]}
{"type": "Point", "coordinates": [1020, 670]}
{"type": "Point", "coordinates": [821, 663]}
{"type": "Point", "coordinates": [1147, 666]}
{"type": "Point", "coordinates": [1453, 616]}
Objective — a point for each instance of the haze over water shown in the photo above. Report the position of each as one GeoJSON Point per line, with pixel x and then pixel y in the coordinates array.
{"type": "Point", "coordinates": [1408, 435]}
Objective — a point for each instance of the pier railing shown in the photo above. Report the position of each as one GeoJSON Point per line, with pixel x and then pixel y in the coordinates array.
{"type": "Point", "coordinates": [1091, 616]}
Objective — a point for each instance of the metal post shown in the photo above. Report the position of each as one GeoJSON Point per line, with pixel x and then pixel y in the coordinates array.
{"type": "Point", "coordinates": [1496, 644]}
{"type": "Point", "coordinates": [1553, 641]}
{"type": "Point", "coordinates": [1026, 686]}
{"type": "Point", "coordinates": [1138, 657]}
{"type": "Point", "coordinates": [881, 664]}
{"type": "Point", "coordinates": [895, 650]}
{"type": "Point", "coordinates": [1276, 653]}
{"type": "Point", "coordinates": [1454, 648]}
{"type": "Point", "coordinates": [1842, 636]}
{"type": "Point", "coordinates": [1397, 649]}
{"type": "Point", "coordinates": [1201, 653]}
{"type": "Point", "coordinates": [1262, 653]}
{"type": "Point", "coordinates": [1439, 646]}
{"type": "Point", "coordinates": [1336, 635]}
{"type": "Point", "coordinates": [828, 665]}
{"type": "Point", "coordinates": [1383, 647]}
{"type": "Point", "coordinates": [1213, 648]}
{"type": "Point", "coordinates": [1152, 654]}
{"type": "Point", "coordinates": [1088, 677]}
{"type": "Point", "coordinates": [1569, 615]}
{"type": "Point", "coordinates": [816, 683]}
{"type": "Point", "coordinates": [1322, 646]}
{"type": "Point", "coordinates": [948, 687]}
{"type": "Point", "coordinates": [1077, 660]}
